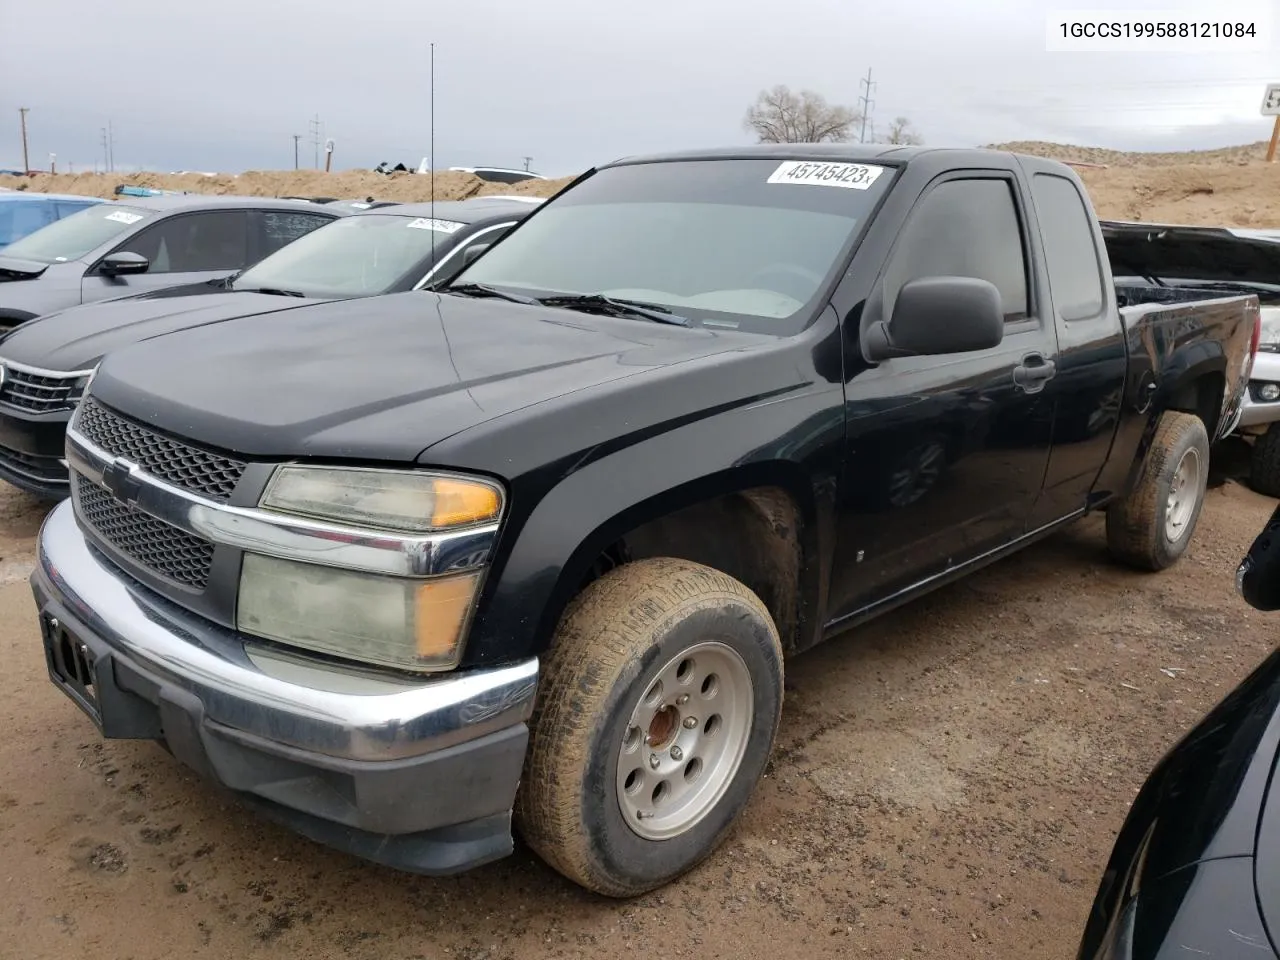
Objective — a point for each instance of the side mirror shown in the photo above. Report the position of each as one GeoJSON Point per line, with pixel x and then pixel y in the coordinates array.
{"type": "Point", "coordinates": [939, 315]}
{"type": "Point", "coordinates": [474, 251]}
{"type": "Point", "coordinates": [123, 263]}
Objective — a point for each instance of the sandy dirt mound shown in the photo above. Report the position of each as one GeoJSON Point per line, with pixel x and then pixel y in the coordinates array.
{"type": "Point", "coordinates": [1233, 186]}
{"type": "Point", "coordinates": [348, 184]}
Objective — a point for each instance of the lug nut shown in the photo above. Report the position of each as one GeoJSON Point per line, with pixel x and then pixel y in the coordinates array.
{"type": "Point", "coordinates": [677, 754]}
{"type": "Point", "coordinates": [654, 761]}
{"type": "Point", "coordinates": [682, 699]}
{"type": "Point", "coordinates": [690, 722]}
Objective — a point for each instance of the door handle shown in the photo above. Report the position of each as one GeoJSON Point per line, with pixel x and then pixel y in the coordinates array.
{"type": "Point", "coordinates": [1033, 372]}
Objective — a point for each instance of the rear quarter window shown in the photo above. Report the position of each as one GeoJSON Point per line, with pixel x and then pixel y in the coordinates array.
{"type": "Point", "coordinates": [1066, 229]}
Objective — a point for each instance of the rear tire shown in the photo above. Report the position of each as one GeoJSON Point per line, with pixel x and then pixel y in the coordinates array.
{"type": "Point", "coordinates": [657, 712]}
{"type": "Point", "coordinates": [1264, 463]}
{"type": "Point", "coordinates": [1151, 527]}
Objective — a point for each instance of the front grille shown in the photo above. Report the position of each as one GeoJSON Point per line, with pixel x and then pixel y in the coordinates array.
{"type": "Point", "coordinates": [33, 391]}
{"type": "Point", "coordinates": [181, 464]}
{"type": "Point", "coordinates": [154, 544]}
{"type": "Point", "coordinates": [43, 468]}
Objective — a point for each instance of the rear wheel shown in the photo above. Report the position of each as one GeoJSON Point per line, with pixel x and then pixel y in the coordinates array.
{"type": "Point", "coordinates": [1151, 527]}
{"type": "Point", "coordinates": [1264, 463]}
{"type": "Point", "coordinates": [658, 709]}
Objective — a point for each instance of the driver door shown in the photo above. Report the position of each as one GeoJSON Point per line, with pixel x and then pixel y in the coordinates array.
{"type": "Point", "coordinates": [945, 454]}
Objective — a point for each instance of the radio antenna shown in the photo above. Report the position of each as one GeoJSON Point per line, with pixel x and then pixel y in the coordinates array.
{"type": "Point", "coordinates": [431, 156]}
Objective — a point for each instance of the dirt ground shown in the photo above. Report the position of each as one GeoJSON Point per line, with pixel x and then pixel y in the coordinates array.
{"type": "Point", "coordinates": [947, 783]}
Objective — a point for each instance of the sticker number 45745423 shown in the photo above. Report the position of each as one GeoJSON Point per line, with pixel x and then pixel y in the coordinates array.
{"type": "Point", "coordinates": [854, 176]}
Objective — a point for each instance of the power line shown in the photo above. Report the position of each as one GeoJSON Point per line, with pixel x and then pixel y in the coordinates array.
{"type": "Point", "coordinates": [867, 104]}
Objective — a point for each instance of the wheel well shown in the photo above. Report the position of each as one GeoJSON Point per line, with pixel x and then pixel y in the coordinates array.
{"type": "Point", "coordinates": [752, 535]}
{"type": "Point", "coordinates": [1202, 397]}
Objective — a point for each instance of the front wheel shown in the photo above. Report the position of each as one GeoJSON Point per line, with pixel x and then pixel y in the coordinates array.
{"type": "Point", "coordinates": [1152, 527]}
{"type": "Point", "coordinates": [658, 708]}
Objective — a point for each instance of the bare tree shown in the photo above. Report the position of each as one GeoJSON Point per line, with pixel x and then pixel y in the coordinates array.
{"type": "Point", "coordinates": [781, 116]}
{"type": "Point", "coordinates": [900, 131]}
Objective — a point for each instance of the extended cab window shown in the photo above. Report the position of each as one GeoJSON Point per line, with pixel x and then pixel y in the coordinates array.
{"type": "Point", "coordinates": [1075, 276]}
{"type": "Point", "coordinates": [963, 228]}
{"type": "Point", "coordinates": [194, 242]}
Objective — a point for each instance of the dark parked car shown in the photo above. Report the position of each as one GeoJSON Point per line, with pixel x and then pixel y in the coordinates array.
{"type": "Point", "coordinates": [45, 363]}
{"type": "Point", "coordinates": [1195, 870]}
{"type": "Point", "coordinates": [537, 543]}
{"type": "Point", "coordinates": [145, 243]}
{"type": "Point", "coordinates": [23, 212]}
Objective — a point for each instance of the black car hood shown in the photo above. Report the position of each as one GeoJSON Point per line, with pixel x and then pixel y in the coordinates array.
{"type": "Point", "coordinates": [379, 380]}
{"type": "Point", "coordinates": [75, 338]}
{"type": "Point", "coordinates": [1203, 800]}
{"type": "Point", "coordinates": [13, 268]}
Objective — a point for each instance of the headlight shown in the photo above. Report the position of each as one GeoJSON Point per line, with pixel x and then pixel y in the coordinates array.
{"type": "Point", "coordinates": [1269, 339]}
{"type": "Point", "coordinates": [389, 621]}
{"type": "Point", "coordinates": [401, 622]}
{"type": "Point", "coordinates": [411, 501]}
{"type": "Point", "coordinates": [1269, 391]}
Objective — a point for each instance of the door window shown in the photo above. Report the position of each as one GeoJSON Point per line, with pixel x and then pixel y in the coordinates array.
{"type": "Point", "coordinates": [963, 228]}
{"type": "Point", "coordinates": [194, 242]}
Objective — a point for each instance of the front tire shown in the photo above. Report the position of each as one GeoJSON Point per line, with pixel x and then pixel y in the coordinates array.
{"type": "Point", "coordinates": [1152, 527]}
{"type": "Point", "coordinates": [658, 709]}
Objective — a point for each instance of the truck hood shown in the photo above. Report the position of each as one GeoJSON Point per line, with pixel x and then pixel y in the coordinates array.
{"type": "Point", "coordinates": [76, 338]}
{"type": "Point", "coordinates": [380, 380]}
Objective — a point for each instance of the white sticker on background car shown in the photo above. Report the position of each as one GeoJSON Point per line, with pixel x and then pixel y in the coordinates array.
{"type": "Point", "coordinates": [124, 216]}
{"type": "Point", "coordinates": [854, 176]}
{"type": "Point", "coordinates": [440, 226]}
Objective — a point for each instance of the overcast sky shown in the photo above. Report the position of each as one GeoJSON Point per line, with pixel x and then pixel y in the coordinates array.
{"type": "Point", "coordinates": [223, 86]}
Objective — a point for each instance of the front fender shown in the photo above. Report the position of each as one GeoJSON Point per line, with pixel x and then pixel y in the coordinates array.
{"type": "Point", "coordinates": [547, 550]}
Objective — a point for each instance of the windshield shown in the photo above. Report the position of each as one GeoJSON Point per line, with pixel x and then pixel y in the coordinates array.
{"type": "Point", "coordinates": [358, 256]}
{"type": "Point", "coordinates": [737, 243]}
{"type": "Point", "coordinates": [72, 237]}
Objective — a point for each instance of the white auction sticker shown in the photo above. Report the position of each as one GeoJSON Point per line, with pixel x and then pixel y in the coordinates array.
{"type": "Point", "coordinates": [855, 176]}
{"type": "Point", "coordinates": [123, 216]}
{"type": "Point", "coordinates": [440, 226]}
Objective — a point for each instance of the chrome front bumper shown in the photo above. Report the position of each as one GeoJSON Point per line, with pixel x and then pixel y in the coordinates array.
{"type": "Point", "coordinates": [374, 764]}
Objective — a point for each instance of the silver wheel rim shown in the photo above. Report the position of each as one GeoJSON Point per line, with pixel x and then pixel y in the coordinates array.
{"type": "Point", "coordinates": [684, 741]}
{"type": "Point", "coordinates": [1184, 491]}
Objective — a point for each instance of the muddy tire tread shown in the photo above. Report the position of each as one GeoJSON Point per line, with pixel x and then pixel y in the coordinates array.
{"type": "Point", "coordinates": [1135, 524]}
{"type": "Point", "coordinates": [601, 632]}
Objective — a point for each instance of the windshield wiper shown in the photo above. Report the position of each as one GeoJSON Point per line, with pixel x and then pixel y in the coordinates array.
{"type": "Point", "coordinates": [484, 290]}
{"type": "Point", "coordinates": [274, 292]}
{"type": "Point", "coordinates": [615, 307]}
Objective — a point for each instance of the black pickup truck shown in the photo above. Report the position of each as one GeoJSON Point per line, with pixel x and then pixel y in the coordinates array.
{"type": "Point", "coordinates": [539, 542]}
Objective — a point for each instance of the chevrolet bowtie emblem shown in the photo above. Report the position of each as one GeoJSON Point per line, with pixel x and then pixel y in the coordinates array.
{"type": "Point", "coordinates": [119, 480]}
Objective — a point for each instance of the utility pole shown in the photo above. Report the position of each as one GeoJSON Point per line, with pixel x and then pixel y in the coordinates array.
{"type": "Point", "coordinates": [22, 115]}
{"type": "Point", "coordinates": [296, 138]}
{"type": "Point", "coordinates": [867, 104]}
{"type": "Point", "coordinates": [526, 163]}
{"type": "Point", "coordinates": [111, 148]}
{"type": "Point", "coordinates": [317, 136]}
